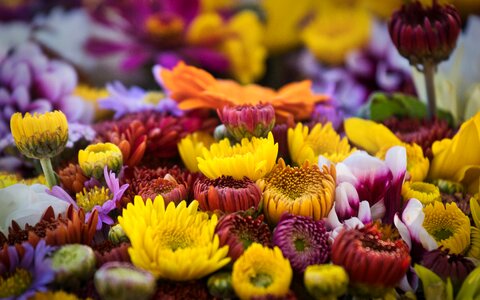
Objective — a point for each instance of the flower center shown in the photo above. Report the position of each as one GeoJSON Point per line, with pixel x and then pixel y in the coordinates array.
{"type": "Point", "coordinates": [174, 239]}
{"type": "Point", "coordinates": [15, 284]}
{"type": "Point", "coordinates": [297, 182]}
{"type": "Point", "coordinates": [96, 196]}
{"type": "Point", "coordinates": [300, 244]}
{"type": "Point", "coordinates": [261, 280]}
{"type": "Point", "coordinates": [442, 234]}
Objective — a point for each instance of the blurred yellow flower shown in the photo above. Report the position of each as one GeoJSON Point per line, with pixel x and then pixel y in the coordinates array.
{"type": "Point", "coordinates": [190, 147]}
{"type": "Point", "coordinates": [92, 95]}
{"type": "Point", "coordinates": [336, 31]}
{"type": "Point", "coordinates": [417, 164]}
{"type": "Point", "coordinates": [95, 157]}
{"type": "Point", "coordinates": [253, 158]}
{"type": "Point", "coordinates": [283, 23]}
{"type": "Point", "coordinates": [176, 243]}
{"type": "Point", "coordinates": [448, 225]}
{"type": "Point", "coordinates": [41, 135]}
{"type": "Point", "coordinates": [305, 145]}
{"type": "Point", "coordinates": [422, 191]}
{"type": "Point", "coordinates": [457, 159]}
{"type": "Point", "coordinates": [383, 9]}
{"type": "Point", "coordinates": [261, 271]}
{"type": "Point", "coordinates": [243, 48]}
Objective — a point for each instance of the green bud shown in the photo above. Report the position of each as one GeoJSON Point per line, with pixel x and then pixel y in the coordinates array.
{"type": "Point", "coordinates": [73, 264]}
{"type": "Point", "coordinates": [325, 281]}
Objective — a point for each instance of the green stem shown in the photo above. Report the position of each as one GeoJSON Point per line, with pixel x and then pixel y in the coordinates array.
{"type": "Point", "coordinates": [429, 72]}
{"type": "Point", "coordinates": [48, 171]}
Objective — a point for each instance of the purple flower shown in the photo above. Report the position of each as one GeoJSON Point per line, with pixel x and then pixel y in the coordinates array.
{"type": "Point", "coordinates": [77, 132]}
{"type": "Point", "coordinates": [34, 267]}
{"type": "Point", "coordinates": [115, 190]}
{"type": "Point", "coordinates": [135, 99]}
{"type": "Point", "coordinates": [152, 32]}
{"type": "Point", "coordinates": [302, 240]}
{"type": "Point", "coordinates": [30, 82]}
{"type": "Point", "coordinates": [364, 177]}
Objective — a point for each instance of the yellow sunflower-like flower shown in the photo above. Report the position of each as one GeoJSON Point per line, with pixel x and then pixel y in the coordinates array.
{"type": "Point", "coordinates": [176, 243]}
{"type": "Point", "coordinates": [190, 147]}
{"type": "Point", "coordinates": [95, 157]}
{"type": "Point", "coordinates": [448, 225]}
{"type": "Point", "coordinates": [253, 158]}
{"type": "Point", "coordinates": [41, 135]}
{"type": "Point", "coordinates": [261, 271]}
{"type": "Point", "coordinates": [306, 191]}
{"type": "Point", "coordinates": [305, 145]}
{"type": "Point", "coordinates": [58, 295]}
{"type": "Point", "coordinates": [424, 192]}
{"type": "Point", "coordinates": [8, 179]}
{"type": "Point", "coordinates": [334, 32]}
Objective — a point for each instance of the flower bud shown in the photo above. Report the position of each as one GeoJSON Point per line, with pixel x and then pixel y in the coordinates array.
{"type": "Point", "coordinates": [116, 280]}
{"type": "Point", "coordinates": [73, 264]}
{"type": "Point", "coordinates": [116, 235]}
{"type": "Point", "coordinates": [95, 157]}
{"type": "Point", "coordinates": [220, 285]}
{"type": "Point", "coordinates": [325, 281]}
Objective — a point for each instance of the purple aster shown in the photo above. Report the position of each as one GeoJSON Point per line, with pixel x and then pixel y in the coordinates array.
{"type": "Point", "coordinates": [77, 132]}
{"type": "Point", "coordinates": [84, 200]}
{"type": "Point", "coordinates": [30, 269]}
{"type": "Point", "coordinates": [135, 99]}
{"type": "Point", "coordinates": [302, 240]}
{"type": "Point", "coordinates": [31, 82]}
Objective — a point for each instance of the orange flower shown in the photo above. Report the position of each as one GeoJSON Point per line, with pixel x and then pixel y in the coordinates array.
{"type": "Point", "coordinates": [195, 88]}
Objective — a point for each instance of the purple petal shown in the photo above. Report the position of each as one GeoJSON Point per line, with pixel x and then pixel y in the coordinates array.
{"type": "Point", "coordinates": [60, 193]}
{"type": "Point", "coordinates": [187, 9]}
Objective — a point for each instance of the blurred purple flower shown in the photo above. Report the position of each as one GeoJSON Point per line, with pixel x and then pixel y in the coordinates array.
{"type": "Point", "coordinates": [147, 32]}
{"type": "Point", "coordinates": [77, 132]}
{"type": "Point", "coordinates": [376, 67]}
{"type": "Point", "coordinates": [135, 99]}
{"type": "Point", "coordinates": [35, 260]}
{"type": "Point", "coordinates": [30, 82]}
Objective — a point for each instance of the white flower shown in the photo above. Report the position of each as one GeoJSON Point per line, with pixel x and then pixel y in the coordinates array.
{"type": "Point", "coordinates": [26, 205]}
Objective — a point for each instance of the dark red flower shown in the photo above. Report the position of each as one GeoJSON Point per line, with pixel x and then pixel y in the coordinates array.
{"type": "Point", "coordinates": [239, 230]}
{"type": "Point", "coordinates": [108, 252]}
{"type": "Point", "coordinates": [425, 33]}
{"type": "Point", "coordinates": [226, 194]}
{"type": "Point", "coordinates": [170, 290]}
{"type": "Point", "coordinates": [374, 264]}
{"type": "Point", "coordinates": [72, 178]}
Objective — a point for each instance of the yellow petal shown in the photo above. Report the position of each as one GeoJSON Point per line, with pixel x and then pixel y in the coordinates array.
{"type": "Point", "coordinates": [369, 135]}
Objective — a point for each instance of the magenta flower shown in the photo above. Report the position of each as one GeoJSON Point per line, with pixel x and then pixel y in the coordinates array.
{"type": "Point", "coordinates": [364, 177]}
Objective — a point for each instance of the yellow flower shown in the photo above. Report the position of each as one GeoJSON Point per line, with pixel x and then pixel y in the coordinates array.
{"type": "Point", "coordinates": [91, 95]}
{"type": "Point", "coordinates": [448, 225]}
{"type": "Point", "coordinates": [417, 164]}
{"type": "Point", "coordinates": [334, 32]}
{"type": "Point", "coordinates": [424, 192]}
{"type": "Point", "coordinates": [243, 48]}
{"type": "Point", "coordinates": [376, 139]}
{"type": "Point", "coordinates": [261, 271]}
{"type": "Point", "coordinates": [41, 135]}
{"type": "Point", "coordinates": [95, 157]}
{"type": "Point", "coordinates": [369, 135]}
{"type": "Point", "coordinates": [253, 158]}
{"type": "Point", "coordinates": [457, 159]}
{"type": "Point", "coordinates": [383, 9]}
{"type": "Point", "coordinates": [474, 250]}
{"type": "Point", "coordinates": [8, 179]}
{"type": "Point", "coordinates": [284, 23]}
{"type": "Point", "coordinates": [95, 196]}
{"type": "Point", "coordinates": [306, 191]}
{"type": "Point", "coordinates": [216, 5]}
{"type": "Point", "coordinates": [176, 243]}
{"type": "Point", "coordinates": [190, 147]}
{"type": "Point", "coordinates": [305, 145]}
{"type": "Point", "coordinates": [58, 295]}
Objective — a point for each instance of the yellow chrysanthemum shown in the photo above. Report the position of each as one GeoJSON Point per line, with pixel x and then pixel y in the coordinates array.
{"type": "Point", "coordinates": [261, 271]}
{"type": "Point", "coordinates": [95, 157]}
{"type": "Point", "coordinates": [92, 95]}
{"type": "Point", "coordinates": [176, 243]}
{"type": "Point", "coordinates": [369, 135]}
{"type": "Point", "coordinates": [334, 32]}
{"type": "Point", "coordinates": [417, 164]}
{"type": "Point", "coordinates": [190, 147]}
{"type": "Point", "coordinates": [474, 250]}
{"type": "Point", "coordinates": [95, 196]}
{"type": "Point", "coordinates": [306, 191]}
{"type": "Point", "coordinates": [58, 295]}
{"type": "Point", "coordinates": [305, 145]}
{"type": "Point", "coordinates": [424, 192]}
{"type": "Point", "coordinates": [448, 225]}
{"type": "Point", "coordinates": [253, 158]}
{"type": "Point", "coordinates": [41, 135]}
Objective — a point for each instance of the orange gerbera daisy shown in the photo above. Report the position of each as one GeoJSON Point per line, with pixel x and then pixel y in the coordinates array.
{"type": "Point", "coordinates": [195, 88]}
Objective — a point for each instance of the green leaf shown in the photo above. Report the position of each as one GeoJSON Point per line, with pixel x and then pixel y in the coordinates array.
{"type": "Point", "coordinates": [433, 286]}
{"type": "Point", "coordinates": [471, 286]}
